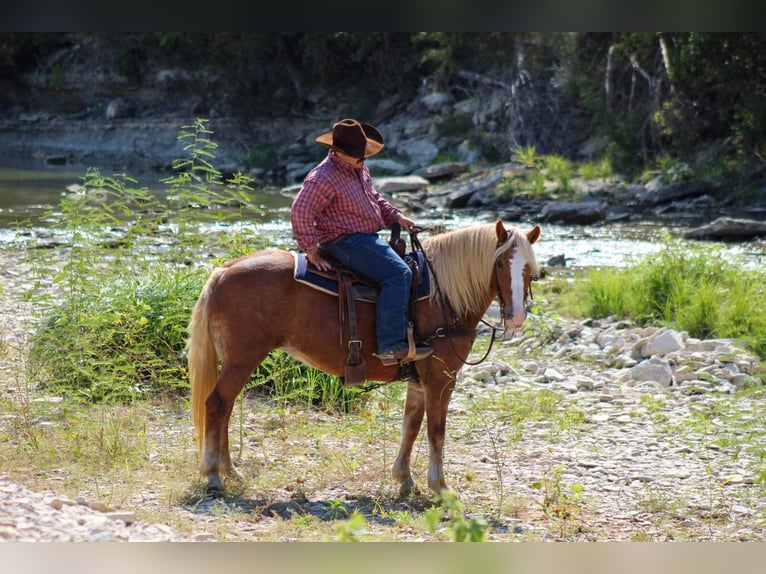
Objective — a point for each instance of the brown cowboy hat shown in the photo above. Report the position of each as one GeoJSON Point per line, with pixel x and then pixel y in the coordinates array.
{"type": "Point", "coordinates": [353, 138]}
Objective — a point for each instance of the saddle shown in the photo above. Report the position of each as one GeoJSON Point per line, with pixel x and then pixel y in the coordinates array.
{"type": "Point", "coordinates": [350, 287]}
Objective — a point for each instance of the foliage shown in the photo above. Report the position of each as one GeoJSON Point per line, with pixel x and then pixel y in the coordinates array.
{"type": "Point", "coordinates": [670, 93]}
{"type": "Point", "coordinates": [558, 501]}
{"type": "Point", "coordinates": [351, 530]}
{"type": "Point", "coordinates": [695, 290]}
{"type": "Point", "coordinates": [527, 155]}
{"type": "Point", "coordinates": [560, 170]}
{"type": "Point", "coordinates": [447, 506]}
{"type": "Point", "coordinates": [122, 340]}
{"type": "Point", "coordinates": [595, 169]}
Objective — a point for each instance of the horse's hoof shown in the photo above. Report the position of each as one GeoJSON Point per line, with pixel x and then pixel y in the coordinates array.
{"type": "Point", "coordinates": [438, 487]}
{"type": "Point", "coordinates": [407, 487]}
{"type": "Point", "coordinates": [214, 486]}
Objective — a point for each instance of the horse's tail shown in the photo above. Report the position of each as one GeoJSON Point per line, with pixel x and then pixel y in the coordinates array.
{"type": "Point", "coordinates": [202, 357]}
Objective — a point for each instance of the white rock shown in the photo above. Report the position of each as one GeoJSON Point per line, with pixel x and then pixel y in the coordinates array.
{"type": "Point", "coordinates": [387, 185]}
{"type": "Point", "coordinates": [663, 343]}
{"type": "Point", "coordinates": [653, 369]}
{"type": "Point", "coordinates": [624, 361]}
{"type": "Point", "coordinates": [684, 373]}
{"type": "Point", "coordinates": [552, 374]}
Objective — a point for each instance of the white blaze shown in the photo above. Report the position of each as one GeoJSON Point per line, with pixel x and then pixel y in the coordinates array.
{"type": "Point", "coordinates": [515, 318]}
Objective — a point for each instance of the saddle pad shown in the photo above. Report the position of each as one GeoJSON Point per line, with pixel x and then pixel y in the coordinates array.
{"type": "Point", "coordinates": [366, 291]}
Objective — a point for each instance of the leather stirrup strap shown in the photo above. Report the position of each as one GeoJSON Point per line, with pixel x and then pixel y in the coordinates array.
{"type": "Point", "coordinates": [341, 306]}
{"type": "Point", "coordinates": [354, 343]}
{"type": "Point", "coordinates": [355, 367]}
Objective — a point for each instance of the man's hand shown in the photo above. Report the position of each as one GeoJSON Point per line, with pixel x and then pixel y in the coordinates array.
{"type": "Point", "coordinates": [406, 223]}
{"type": "Point", "coordinates": [318, 261]}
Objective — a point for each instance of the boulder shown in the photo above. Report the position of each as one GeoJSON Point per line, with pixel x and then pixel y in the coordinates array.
{"type": "Point", "coordinates": [458, 194]}
{"type": "Point", "coordinates": [583, 213]}
{"type": "Point", "coordinates": [673, 191]}
{"type": "Point", "coordinates": [728, 229]}
{"type": "Point", "coordinates": [420, 151]}
{"type": "Point", "coordinates": [442, 170]}
{"type": "Point", "coordinates": [388, 185]}
{"type": "Point", "coordinates": [654, 369]}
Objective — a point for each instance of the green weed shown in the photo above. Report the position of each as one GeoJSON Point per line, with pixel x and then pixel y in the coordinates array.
{"type": "Point", "coordinates": [459, 528]}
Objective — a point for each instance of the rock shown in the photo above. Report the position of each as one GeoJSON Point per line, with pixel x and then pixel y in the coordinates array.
{"type": "Point", "coordinates": [386, 165]}
{"type": "Point", "coordinates": [27, 516]}
{"type": "Point", "coordinates": [684, 373]}
{"type": "Point", "coordinates": [624, 361]}
{"type": "Point", "coordinates": [728, 229]}
{"type": "Point", "coordinates": [441, 170]}
{"type": "Point", "coordinates": [388, 185]}
{"type": "Point", "coordinates": [119, 108]}
{"type": "Point", "coordinates": [127, 517]}
{"type": "Point", "coordinates": [420, 151]}
{"type": "Point", "coordinates": [557, 261]}
{"type": "Point", "coordinates": [583, 213]}
{"type": "Point", "coordinates": [663, 343]}
{"type": "Point", "coordinates": [458, 194]}
{"type": "Point", "coordinates": [653, 369]}
{"type": "Point", "coordinates": [553, 374]}
{"type": "Point", "coordinates": [665, 193]}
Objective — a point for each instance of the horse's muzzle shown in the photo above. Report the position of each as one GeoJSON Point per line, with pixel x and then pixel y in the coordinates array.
{"type": "Point", "coordinates": [514, 321]}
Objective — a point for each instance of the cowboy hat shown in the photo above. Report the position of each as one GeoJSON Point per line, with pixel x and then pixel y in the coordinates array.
{"type": "Point", "coordinates": [353, 138]}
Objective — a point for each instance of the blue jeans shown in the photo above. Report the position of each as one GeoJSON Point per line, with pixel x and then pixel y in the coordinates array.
{"type": "Point", "coordinates": [371, 256]}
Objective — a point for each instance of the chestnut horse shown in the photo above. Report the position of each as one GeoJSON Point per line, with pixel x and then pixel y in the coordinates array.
{"type": "Point", "coordinates": [253, 305]}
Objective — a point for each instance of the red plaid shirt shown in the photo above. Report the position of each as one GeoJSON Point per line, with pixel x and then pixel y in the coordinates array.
{"type": "Point", "coordinates": [337, 199]}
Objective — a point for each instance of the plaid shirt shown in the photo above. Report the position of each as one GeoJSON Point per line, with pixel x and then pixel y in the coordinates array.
{"type": "Point", "coordinates": [336, 200]}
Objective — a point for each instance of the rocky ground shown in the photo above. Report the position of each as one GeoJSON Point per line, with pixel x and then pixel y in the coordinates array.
{"type": "Point", "coordinates": [659, 450]}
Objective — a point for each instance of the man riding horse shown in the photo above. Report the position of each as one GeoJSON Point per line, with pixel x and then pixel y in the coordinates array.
{"type": "Point", "coordinates": [339, 210]}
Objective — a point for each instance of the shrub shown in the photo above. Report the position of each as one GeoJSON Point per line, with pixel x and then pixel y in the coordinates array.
{"type": "Point", "coordinates": [122, 340]}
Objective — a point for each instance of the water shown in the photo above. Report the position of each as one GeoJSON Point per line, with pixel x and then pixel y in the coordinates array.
{"type": "Point", "coordinates": [27, 191]}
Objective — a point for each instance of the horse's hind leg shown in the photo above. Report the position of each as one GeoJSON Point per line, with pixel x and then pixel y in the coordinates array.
{"type": "Point", "coordinates": [414, 409]}
{"type": "Point", "coordinates": [219, 404]}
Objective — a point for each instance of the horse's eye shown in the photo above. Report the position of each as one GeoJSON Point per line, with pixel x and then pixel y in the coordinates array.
{"type": "Point", "coordinates": [499, 264]}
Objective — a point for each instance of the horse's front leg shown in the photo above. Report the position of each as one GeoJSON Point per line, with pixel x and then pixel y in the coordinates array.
{"type": "Point", "coordinates": [414, 408]}
{"type": "Point", "coordinates": [437, 397]}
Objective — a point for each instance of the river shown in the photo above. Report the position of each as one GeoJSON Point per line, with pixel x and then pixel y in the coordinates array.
{"type": "Point", "coordinates": [26, 192]}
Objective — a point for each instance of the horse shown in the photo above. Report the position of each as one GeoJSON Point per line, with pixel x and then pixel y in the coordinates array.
{"type": "Point", "coordinates": [253, 305]}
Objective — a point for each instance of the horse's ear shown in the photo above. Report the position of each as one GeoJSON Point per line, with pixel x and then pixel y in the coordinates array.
{"type": "Point", "coordinates": [501, 232]}
{"type": "Point", "coordinates": [533, 234]}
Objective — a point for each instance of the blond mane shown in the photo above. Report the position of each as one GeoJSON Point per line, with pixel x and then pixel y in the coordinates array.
{"type": "Point", "coordinates": [463, 261]}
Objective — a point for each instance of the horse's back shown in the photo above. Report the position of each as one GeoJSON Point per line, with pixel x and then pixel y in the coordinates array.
{"type": "Point", "coordinates": [265, 260]}
{"type": "Point", "coordinates": [246, 282]}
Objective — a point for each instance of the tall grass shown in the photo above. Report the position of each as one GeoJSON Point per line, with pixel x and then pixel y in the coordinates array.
{"type": "Point", "coordinates": [114, 326]}
{"type": "Point", "coordinates": [696, 290]}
